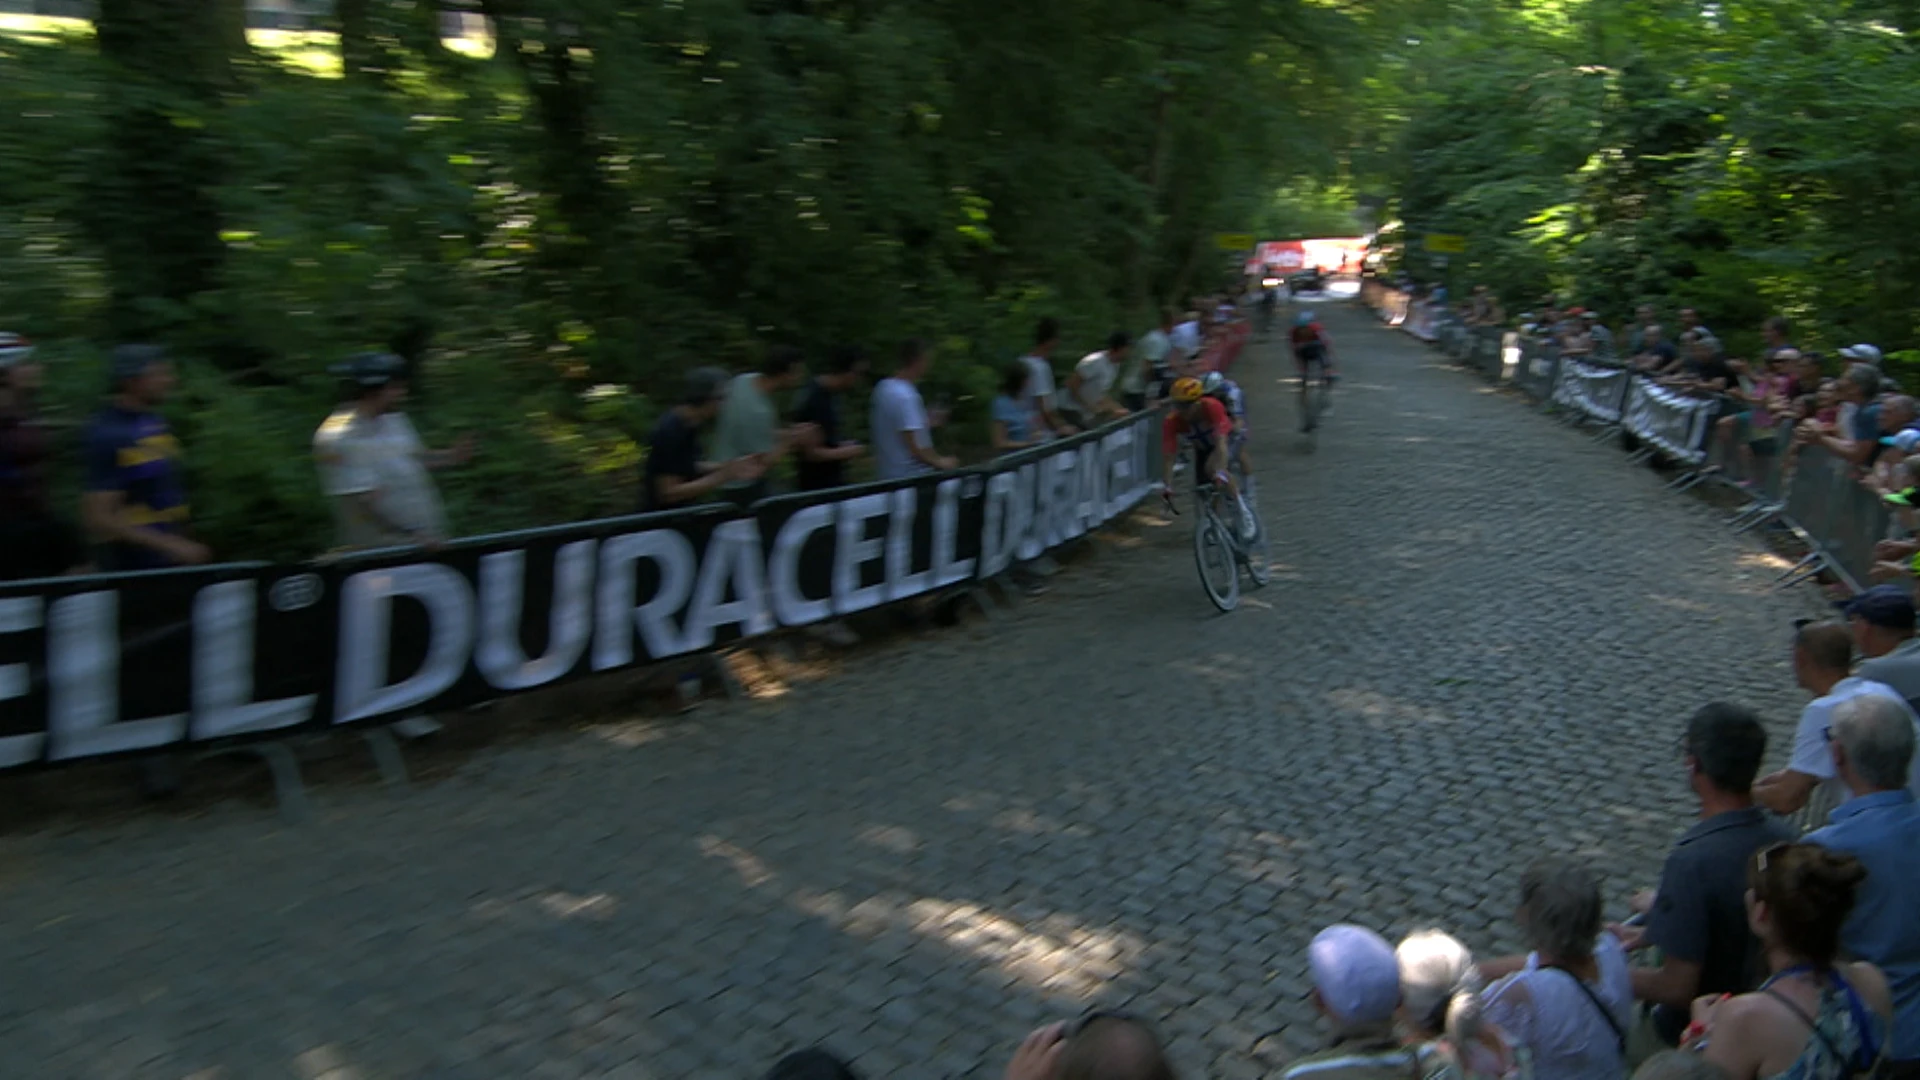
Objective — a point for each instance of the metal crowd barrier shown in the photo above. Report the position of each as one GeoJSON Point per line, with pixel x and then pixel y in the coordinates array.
{"type": "Point", "coordinates": [1805, 491]}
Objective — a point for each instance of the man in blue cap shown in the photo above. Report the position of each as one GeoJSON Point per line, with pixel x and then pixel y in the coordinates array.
{"type": "Point", "coordinates": [1356, 986]}
{"type": "Point", "coordinates": [135, 503]}
{"type": "Point", "coordinates": [1882, 621]}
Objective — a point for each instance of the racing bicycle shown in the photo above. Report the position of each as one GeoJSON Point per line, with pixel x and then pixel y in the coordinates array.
{"type": "Point", "coordinates": [1218, 549]}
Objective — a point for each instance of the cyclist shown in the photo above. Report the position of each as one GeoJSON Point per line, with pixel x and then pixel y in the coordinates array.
{"type": "Point", "coordinates": [1204, 422]}
{"type": "Point", "coordinates": [1269, 299]}
{"type": "Point", "coordinates": [1227, 392]}
{"type": "Point", "coordinates": [1312, 346]}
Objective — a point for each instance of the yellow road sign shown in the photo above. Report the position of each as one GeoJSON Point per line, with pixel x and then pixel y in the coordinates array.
{"type": "Point", "coordinates": [1233, 241]}
{"type": "Point", "coordinates": [1446, 243]}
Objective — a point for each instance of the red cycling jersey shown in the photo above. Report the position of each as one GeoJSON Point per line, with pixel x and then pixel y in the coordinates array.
{"type": "Point", "coordinates": [1213, 425]}
{"type": "Point", "coordinates": [1310, 334]}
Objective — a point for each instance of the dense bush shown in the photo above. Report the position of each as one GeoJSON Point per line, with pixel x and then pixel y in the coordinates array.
{"type": "Point", "coordinates": [1747, 159]}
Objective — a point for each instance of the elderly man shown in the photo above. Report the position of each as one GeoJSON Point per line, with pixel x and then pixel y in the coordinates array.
{"type": "Point", "coordinates": [1356, 986]}
{"type": "Point", "coordinates": [1698, 916]}
{"type": "Point", "coordinates": [1822, 659]}
{"type": "Point", "coordinates": [1873, 753]}
{"type": "Point", "coordinates": [1599, 335]}
{"type": "Point", "coordinates": [1856, 437]}
{"type": "Point", "coordinates": [1654, 354]}
{"type": "Point", "coordinates": [1882, 621]}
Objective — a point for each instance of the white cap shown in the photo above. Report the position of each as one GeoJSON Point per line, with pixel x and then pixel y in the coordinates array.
{"type": "Point", "coordinates": [1863, 353]}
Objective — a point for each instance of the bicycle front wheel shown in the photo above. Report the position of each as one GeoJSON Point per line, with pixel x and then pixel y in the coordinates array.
{"type": "Point", "coordinates": [1213, 554]}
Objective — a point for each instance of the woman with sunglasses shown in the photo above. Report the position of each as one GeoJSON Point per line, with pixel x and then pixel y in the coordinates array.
{"type": "Point", "coordinates": [1814, 1018]}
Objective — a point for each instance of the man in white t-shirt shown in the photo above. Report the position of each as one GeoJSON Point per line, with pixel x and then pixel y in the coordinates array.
{"type": "Point", "coordinates": [1186, 339]}
{"type": "Point", "coordinates": [1048, 424]}
{"type": "Point", "coordinates": [1090, 387]}
{"type": "Point", "coordinates": [1822, 657]}
{"type": "Point", "coordinates": [902, 435]}
{"type": "Point", "coordinates": [1146, 373]}
{"type": "Point", "coordinates": [373, 464]}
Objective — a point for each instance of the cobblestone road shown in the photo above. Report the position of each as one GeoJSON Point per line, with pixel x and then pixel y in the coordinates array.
{"type": "Point", "coordinates": [1483, 636]}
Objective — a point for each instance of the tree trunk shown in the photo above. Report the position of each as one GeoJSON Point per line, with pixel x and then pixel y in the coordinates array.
{"type": "Point", "coordinates": [155, 215]}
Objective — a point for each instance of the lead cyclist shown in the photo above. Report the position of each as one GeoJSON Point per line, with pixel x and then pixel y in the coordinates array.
{"type": "Point", "coordinates": [1202, 421]}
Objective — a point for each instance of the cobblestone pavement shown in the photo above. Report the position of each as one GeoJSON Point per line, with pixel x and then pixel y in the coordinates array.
{"type": "Point", "coordinates": [1483, 636]}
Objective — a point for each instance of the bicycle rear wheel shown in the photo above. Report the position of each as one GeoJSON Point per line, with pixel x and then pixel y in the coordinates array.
{"type": "Point", "coordinates": [1219, 567]}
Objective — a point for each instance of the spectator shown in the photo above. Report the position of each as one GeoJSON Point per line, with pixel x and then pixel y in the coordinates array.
{"type": "Point", "coordinates": [1356, 986]}
{"type": "Point", "coordinates": [902, 435]}
{"type": "Point", "coordinates": [1750, 430]}
{"type": "Point", "coordinates": [1644, 318]}
{"type": "Point", "coordinates": [1873, 752]}
{"type": "Point", "coordinates": [1479, 307]}
{"type": "Point", "coordinates": [374, 466]}
{"type": "Point", "coordinates": [1870, 356]}
{"type": "Point", "coordinates": [1857, 418]}
{"type": "Point", "coordinates": [1814, 1018]}
{"type": "Point", "coordinates": [1882, 620]}
{"type": "Point", "coordinates": [677, 473]}
{"type": "Point", "coordinates": [812, 1064]}
{"type": "Point", "coordinates": [1599, 335]}
{"type": "Point", "coordinates": [1012, 421]}
{"type": "Point", "coordinates": [1570, 1000]}
{"type": "Point", "coordinates": [1654, 354]}
{"type": "Point", "coordinates": [1575, 341]}
{"type": "Point", "coordinates": [1047, 421]}
{"type": "Point", "coordinates": [1822, 657]}
{"type": "Point", "coordinates": [1186, 343]}
{"type": "Point", "coordinates": [749, 423]}
{"type": "Point", "coordinates": [135, 505]}
{"type": "Point", "coordinates": [1090, 387]}
{"type": "Point", "coordinates": [1148, 373]}
{"type": "Point", "coordinates": [1697, 916]}
{"type": "Point", "coordinates": [1101, 1046]}
{"type": "Point", "coordinates": [1440, 1007]}
{"type": "Point", "coordinates": [1705, 371]}
{"type": "Point", "coordinates": [34, 541]}
{"type": "Point", "coordinates": [822, 453]}
{"type": "Point", "coordinates": [1690, 323]}
{"type": "Point", "coordinates": [1678, 1065]}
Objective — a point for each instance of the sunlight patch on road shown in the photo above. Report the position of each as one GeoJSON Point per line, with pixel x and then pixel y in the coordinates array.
{"type": "Point", "coordinates": [752, 871]}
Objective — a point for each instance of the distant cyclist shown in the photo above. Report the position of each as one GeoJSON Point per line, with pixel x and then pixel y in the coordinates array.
{"type": "Point", "coordinates": [1269, 300]}
{"type": "Point", "coordinates": [1227, 392]}
{"type": "Point", "coordinates": [1311, 348]}
{"type": "Point", "coordinates": [1203, 422]}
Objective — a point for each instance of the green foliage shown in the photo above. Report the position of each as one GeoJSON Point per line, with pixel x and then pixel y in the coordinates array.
{"type": "Point", "coordinates": [1746, 158]}
{"type": "Point", "coordinates": [622, 191]}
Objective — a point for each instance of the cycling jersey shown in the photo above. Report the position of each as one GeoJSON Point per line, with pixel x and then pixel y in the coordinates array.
{"type": "Point", "coordinates": [1236, 402]}
{"type": "Point", "coordinates": [1212, 427]}
{"type": "Point", "coordinates": [1309, 342]}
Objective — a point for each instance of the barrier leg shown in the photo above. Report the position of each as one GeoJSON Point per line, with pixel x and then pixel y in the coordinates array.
{"type": "Point", "coordinates": [1806, 569]}
{"type": "Point", "coordinates": [288, 789]}
{"type": "Point", "coordinates": [386, 756]}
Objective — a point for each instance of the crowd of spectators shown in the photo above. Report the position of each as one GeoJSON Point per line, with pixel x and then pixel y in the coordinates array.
{"type": "Point", "coordinates": [1768, 408]}
{"type": "Point", "coordinates": [733, 437]}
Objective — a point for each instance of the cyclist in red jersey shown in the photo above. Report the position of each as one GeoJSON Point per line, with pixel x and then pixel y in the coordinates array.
{"type": "Point", "coordinates": [1207, 428]}
{"type": "Point", "coordinates": [1312, 346]}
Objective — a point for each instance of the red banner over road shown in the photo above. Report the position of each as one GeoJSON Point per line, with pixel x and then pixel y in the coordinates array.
{"type": "Point", "coordinates": [1329, 254]}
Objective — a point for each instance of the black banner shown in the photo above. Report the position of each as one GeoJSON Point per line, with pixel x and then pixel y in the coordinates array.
{"type": "Point", "coordinates": [127, 663]}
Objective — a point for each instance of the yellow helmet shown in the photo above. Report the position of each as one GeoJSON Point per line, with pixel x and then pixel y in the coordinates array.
{"type": "Point", "coordinates": [1186, 391]}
